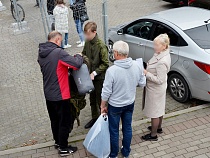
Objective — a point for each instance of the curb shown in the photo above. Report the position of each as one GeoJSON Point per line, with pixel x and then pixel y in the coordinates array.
{"type": "Point", "coordinates": [82, 137]}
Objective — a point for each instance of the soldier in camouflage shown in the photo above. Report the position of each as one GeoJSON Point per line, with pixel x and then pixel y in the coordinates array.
{"type": "Point", "coordinates": [97, 53]}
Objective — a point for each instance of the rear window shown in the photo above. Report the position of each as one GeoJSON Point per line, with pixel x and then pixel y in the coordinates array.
{"type": "Point", "coordinates": [200, 35]}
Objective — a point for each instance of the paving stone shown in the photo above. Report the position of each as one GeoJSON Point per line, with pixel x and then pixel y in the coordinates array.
{"type": "Point", "coordinates": [171, 155]}
{"type": "Point", "coordinates": [202, 151]}
{"type": "Point", "coordinates": [15, 155]}
{"type": "Point", "coordinates": [159, 153]}
{"type": "Point", "coordinates": [201, 156]}
{"type": "Point", "coordinates": [190, 154]}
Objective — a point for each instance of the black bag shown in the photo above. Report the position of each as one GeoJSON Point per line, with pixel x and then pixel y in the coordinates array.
{"type": "Point", "coordinates": [84, 18]}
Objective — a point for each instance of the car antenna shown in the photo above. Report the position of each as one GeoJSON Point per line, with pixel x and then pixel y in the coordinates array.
{"type": "Point", "coordinates": [207, 21]}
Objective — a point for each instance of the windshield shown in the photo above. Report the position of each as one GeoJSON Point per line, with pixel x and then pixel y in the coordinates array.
{"type": "Point", "coordinates": [200, 35]}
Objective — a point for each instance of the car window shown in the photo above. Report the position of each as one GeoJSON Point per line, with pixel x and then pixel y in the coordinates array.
{"type": "Point", "coordinates": [160, 29]}
{"type": "Point", "coordinates": [140, 29]}
{"type": "Point", "coordinates": [200, 35]}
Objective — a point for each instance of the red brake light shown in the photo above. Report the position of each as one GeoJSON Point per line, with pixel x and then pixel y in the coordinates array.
{"type": "Point", "coordinates": [202, 66]}
{"type": "Point", "coordinates": [190, 1]}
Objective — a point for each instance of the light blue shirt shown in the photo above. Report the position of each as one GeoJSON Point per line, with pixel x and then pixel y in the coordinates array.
{"type": "Point", "coordinates": [121, 80]}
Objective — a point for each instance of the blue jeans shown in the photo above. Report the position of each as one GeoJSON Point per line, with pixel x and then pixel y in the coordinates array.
{"type": "Point", "coordinates": [71, 2]}
{"type": "Point", "coordinates": [65, 39]}
{"type": "Point", "coordinates": [114, 115]}
{"type": "Point", "coordinates": [79, 26]}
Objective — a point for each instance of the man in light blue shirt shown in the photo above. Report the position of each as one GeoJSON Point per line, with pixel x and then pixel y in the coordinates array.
{"type": "Point", "coordinates": [119, 90]}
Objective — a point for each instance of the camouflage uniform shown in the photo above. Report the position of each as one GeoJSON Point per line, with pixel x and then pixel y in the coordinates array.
{"type": "Point", "coordinates": [97, 53]}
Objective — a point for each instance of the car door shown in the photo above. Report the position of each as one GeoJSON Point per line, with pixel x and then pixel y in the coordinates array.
{"type": "Point", "coordinates": [136, 35]}
{"type": "Point", "coordinates": [161, 28]}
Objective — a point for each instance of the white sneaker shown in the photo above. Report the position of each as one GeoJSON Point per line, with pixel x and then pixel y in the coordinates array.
{"type": "Point", "coordinates": [78, 42]}
{"type": "Point", "coordinates": [81, 44]}
{"type": "Point", "coordinates": [67, 46]}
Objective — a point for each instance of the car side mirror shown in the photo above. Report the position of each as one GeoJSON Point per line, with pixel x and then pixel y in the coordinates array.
{"type": "Point", "coordinates": [120, 32]}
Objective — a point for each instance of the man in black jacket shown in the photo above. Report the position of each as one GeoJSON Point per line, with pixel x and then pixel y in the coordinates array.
{"type": "Point", "coordinates": [55, 63]}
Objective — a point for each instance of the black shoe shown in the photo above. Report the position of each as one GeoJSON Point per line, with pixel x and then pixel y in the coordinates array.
{"type": "Point", "coordinates": [90, 124]}
{"type": "Point", "coordinates": [36, 5]}
{"type": "Point", "coordinates": [67, 151]}
{"type": "Point", "coordinates": [148, 137]}
{"type": "Point", "coordinates": [63, 152]}
{"type": "Point", "coordinates": [160, 131]}
{"type": "Point", "coordinates": [72, 149]}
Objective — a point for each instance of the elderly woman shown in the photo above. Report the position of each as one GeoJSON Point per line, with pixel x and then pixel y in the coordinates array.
{"type": "Point", "coordinates": [155, 95]}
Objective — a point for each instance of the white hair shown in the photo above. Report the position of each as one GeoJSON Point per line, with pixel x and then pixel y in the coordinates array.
{"type": "Point", "coordinates": [121, 47]}
{"type": "Point", "coordinates": [163, 39]}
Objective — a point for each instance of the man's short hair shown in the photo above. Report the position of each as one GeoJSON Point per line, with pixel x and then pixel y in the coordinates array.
{"type": "Point", "coordinates": [53, 34]}
{"type": "Point", "coordinates": [92, 26]}
{"type": "Point", "coordinates": [121, 47]}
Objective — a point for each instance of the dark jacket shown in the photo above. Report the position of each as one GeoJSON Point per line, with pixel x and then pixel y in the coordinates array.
{"type": "Point", "coordinates": [54, 63]}
{"type": "Point", "coordinates": [97, 53]}
{"type": "Point", "coordinates": [79, 9]}
{"type": "Point", "coordinates": [50, 6]}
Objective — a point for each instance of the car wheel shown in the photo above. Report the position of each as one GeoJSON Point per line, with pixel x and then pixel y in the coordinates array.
{"type": "Point", "coordinates": [111, 53]}
{"type": "Point", "coordinates": [178, 88]}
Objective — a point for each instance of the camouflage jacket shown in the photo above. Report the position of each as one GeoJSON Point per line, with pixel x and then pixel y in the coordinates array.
{"type": "Point", "coordinates": [97, 53]}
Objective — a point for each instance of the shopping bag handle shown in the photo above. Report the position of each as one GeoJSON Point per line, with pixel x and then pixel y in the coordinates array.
{"type": "Point", "coordinates": [105, 116]}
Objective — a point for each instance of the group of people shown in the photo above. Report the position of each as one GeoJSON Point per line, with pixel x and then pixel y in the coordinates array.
{"type": "Point", "coordinates": [59, 15]}
{"type": "Point", "coordinates": [115, 86]}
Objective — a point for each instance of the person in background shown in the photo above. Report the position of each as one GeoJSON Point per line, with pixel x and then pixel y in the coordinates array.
{"type": "Point", "coordinates": [61, 14]}
{"type": "Point", "coordinates": [155, 95]}
{"type": "Point", "coordinates": [37, 3]}
{"type": "Point", "coordinates": [50, 7]}
{"type": "Point", "coordinates": [97, 53]}
{"type": "Point", "coordinates": [119, 90]}
{"type": "Point", "coordinates": [79, 9]}
{"type": "Point", "coordinates": [55, 63]}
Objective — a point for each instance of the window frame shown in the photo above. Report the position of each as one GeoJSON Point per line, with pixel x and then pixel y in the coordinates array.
{"type": "Point", "coordinates": [181, 42]}
{"type": "Point", "coordinates": [138, 21]}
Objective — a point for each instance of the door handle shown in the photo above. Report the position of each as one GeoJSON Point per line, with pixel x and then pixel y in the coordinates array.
{"type": "Point", "coordinates": [140, 44]}
{"type": "Point", "coordinates": [172, 52]}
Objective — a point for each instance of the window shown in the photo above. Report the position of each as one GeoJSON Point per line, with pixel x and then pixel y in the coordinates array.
{"type": "Point", "coordinates": [140, 29]}
{"type": "Point", "coordinates": [160, 29]}
{"type": "Point", "coordinates": [200, 35]}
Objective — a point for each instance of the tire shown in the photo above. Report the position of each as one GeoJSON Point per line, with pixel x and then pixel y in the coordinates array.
{"type": "Point", "coordinates": [178, 88]}
{"type": "Point", "coordinates": [21, 12]}
{"type": "Point", "coordinates": [111, 53]}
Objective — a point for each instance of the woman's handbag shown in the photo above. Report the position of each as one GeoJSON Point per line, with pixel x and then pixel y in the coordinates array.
{"type": "Point", "coordinates": [84, 18]}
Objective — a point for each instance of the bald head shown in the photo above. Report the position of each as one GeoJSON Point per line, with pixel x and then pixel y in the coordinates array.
{"type": "Point", "coordinates": [55, 37]}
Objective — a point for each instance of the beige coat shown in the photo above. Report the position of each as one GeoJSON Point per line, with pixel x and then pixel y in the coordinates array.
{"type": "Point", "coordinates": [155, 95]}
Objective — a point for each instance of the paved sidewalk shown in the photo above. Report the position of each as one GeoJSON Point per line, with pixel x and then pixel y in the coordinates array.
{"type": "Point", "coordinates": [185, 136]}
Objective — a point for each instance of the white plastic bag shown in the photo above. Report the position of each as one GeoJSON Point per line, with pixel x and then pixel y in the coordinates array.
{"type": "Point", "coordinates": [97, 141]}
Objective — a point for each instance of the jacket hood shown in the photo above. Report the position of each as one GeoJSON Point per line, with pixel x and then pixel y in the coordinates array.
{"type": "Point", "coordinates": [46, 48]}
{"type": "Point", "coordinates": [125, 63]}
{"type": "Point", "coordinates": [60, 9]}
